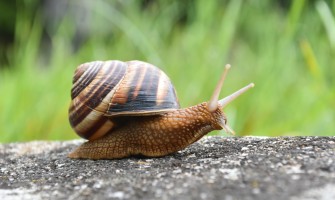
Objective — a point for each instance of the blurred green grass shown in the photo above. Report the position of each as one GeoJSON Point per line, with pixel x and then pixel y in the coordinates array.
{"type": "Point", "coordinates": [288, 53]}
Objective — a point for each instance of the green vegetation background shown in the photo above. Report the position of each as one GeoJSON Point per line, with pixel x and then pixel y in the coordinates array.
{"type": "Point", "coordinates": [287, 51]}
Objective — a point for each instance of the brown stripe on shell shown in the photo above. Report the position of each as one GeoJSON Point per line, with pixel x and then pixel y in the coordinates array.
{"type": "Point", "coordinates": [131, 85]}
{"type": "Point", "coordinates": [79, 72]}
{"type": "Point", "coordinates": [152, 87]}
{"type": "Point", "coordinates": [98, 89]}
{"type": "Point", "coordinates": [141, 95]}
{"type": "Point", "coordinates": [166, 91]}
{"type": "Point", "coordinates": [124, 96]}
{"type": "Point", "coordinates": [101, 130]}
{"type": "Point", "coordinates": [83, 98]}
{"type": "Point", "coordinates": [109, 79]}
{"type": "Point", "coordinates": [94, 126]}
{"type": "Point", "coordinates": [121, 94]}
{"type": "Point", "coordinates": [162, 89]}
{"type": "Point", "coordinates": [140, 80]}
{"type": "Point", "coordinates": [88, 108]}
{"type": "Point", "coordinates": [84, 75]}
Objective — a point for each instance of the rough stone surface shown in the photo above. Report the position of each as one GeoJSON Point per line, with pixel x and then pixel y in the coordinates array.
{"type": "Point", "coordinates": [213, 168]}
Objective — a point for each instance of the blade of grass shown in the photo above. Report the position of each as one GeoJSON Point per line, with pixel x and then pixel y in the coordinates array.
{"type": "Point", "coordinates": [293, 17]}
{"type": "Point", "coordinates": [328, 21]}
{"type": "Point", "coordinates": [228, 27]}
{"type": "Point", "coordinates": [310, 60]}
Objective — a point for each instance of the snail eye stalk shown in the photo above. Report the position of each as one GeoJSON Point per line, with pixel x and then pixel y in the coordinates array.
{"type": "Point", "coordinates": [225, 101]}
{"type": "Point", "coordinates": [213, 102]}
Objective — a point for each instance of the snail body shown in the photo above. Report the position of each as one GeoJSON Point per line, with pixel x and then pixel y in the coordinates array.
{"type": "Point", "coordinates": [131, 108]}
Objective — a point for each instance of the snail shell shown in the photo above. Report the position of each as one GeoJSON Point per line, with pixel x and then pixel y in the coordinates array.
{"type": "Point", "coordinates": [104, 90]}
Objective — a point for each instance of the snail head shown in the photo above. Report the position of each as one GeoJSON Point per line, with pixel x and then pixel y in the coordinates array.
{"type": "Point", "coordinates": [214, 103]}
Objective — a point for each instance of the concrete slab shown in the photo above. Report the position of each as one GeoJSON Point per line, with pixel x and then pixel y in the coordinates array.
{"type": "Point", "coordinates": [213, 168]}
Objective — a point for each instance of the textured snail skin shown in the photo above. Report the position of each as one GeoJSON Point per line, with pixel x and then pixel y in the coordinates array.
{"type": "Point", "coordinates": [153, 136]}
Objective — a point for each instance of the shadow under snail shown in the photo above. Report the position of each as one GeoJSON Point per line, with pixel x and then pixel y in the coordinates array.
{"type": "Point", "coordinates": [130, 108]}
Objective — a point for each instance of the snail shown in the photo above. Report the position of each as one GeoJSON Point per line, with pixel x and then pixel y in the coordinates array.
{"type": "Point", "coordinates": [131, 108]}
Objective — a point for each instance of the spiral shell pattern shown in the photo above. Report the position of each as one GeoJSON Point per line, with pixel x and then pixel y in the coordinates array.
{"type": "Point", "coordinates": [104, 90]}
